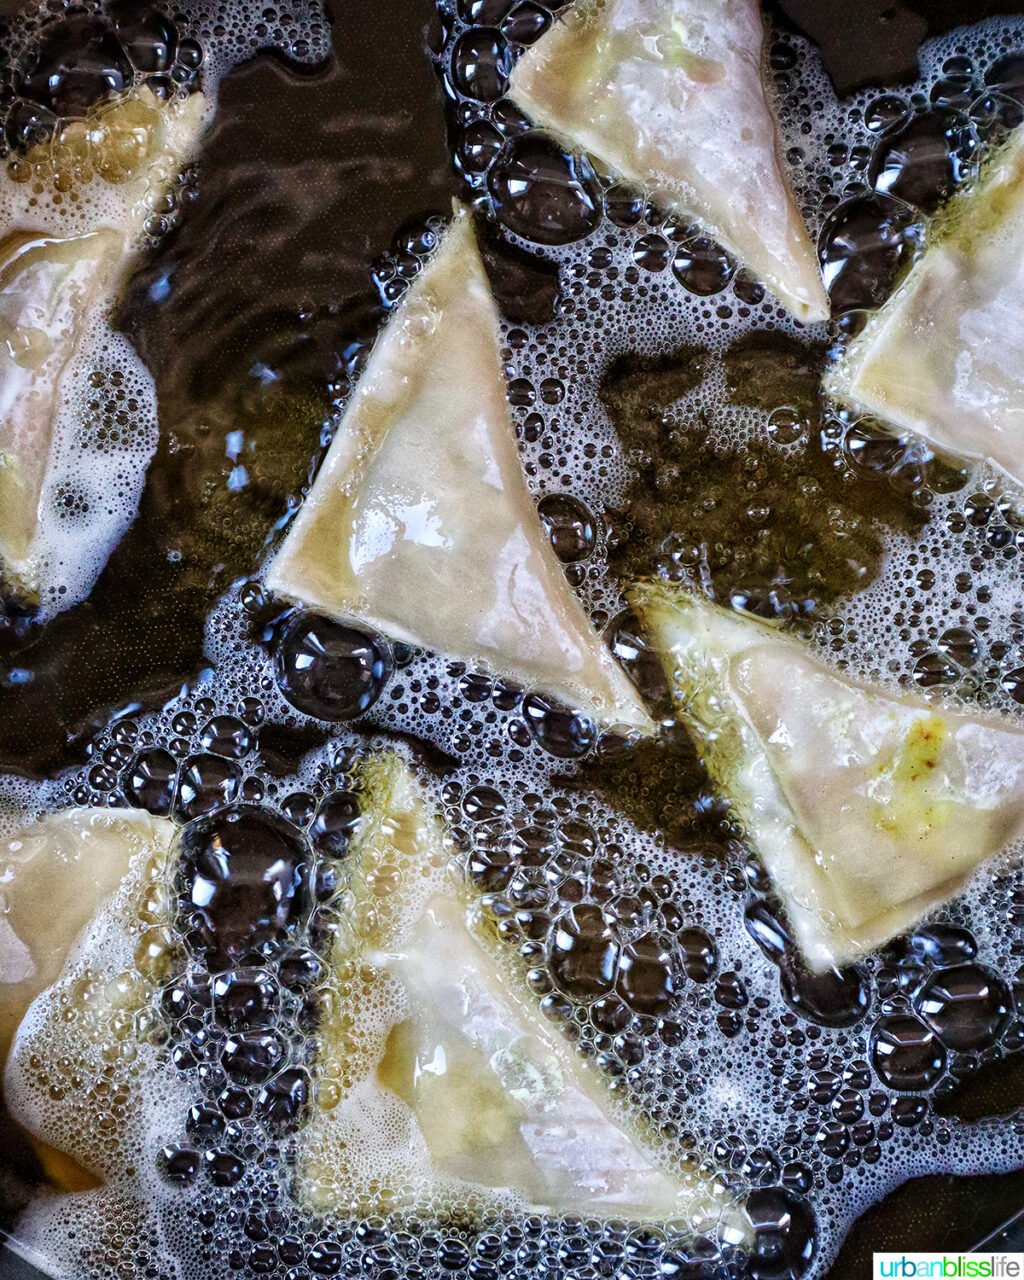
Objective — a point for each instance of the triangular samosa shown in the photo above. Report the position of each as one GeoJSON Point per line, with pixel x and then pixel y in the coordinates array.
{"type": "Point", "coordinates": [437, 1075]}
{"type": "Point", "coordinates": [80, 890]}
{"type": "Point", "coordinates": [420, 522]}
{"type": "Point", "coordinates": [58, 275]}
{"type": "Point", "coordinates": [671, 93]}
{"type": "Point", "coordinates": [944, 357]}
{"type": "Point", "coordinates": [868, 808]}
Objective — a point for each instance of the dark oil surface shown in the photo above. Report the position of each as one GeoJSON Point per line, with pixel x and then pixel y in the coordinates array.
{"type": "Point", "coordinates": [253, 317]}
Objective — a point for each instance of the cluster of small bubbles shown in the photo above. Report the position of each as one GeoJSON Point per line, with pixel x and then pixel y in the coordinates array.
{"type": "Point", "coordinates": [76, 60]}
{"type": "Point", "coordinates": [606, 946]}
{"type": "Point", "coordinates": [538, 189]}
{"type": "Point", "coordinates": [242, 1006]}
{"type": "Point", "coordinates": [105, 433]}
{"type": "Point", "coordinates": [393, 272]}
{"type": "Point", "coordinates": [199, 756]}
{"type": "Point", "coordinates": [957, 625]}
{"type": "Point", "coordinates": [221, 34]}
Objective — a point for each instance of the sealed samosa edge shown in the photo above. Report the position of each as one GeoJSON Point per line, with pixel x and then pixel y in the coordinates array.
{"type": "Point", "coordinates": [59, 275]}
{"type": "Point", "coordinates": [68, 881]}
{"type": "Point", "coordinates": [942, 357]}
{"type": "Point", "coordinates": [671, 93]}
{"type": "Point", "coordinates": [869, 809]}
{"type": "Point", "coordinates": [443, 1078]}
{"type": "Point", "coordinates": [420, 523]}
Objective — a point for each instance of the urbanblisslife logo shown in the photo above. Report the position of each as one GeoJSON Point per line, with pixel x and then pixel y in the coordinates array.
{"type": "Point", "coordinates": [949, 1266]}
